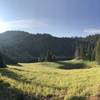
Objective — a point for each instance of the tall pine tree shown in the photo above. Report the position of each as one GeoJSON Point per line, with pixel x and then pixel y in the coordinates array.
{"type": "Point", "coordinates": [2, 64]}
{"type": "Point", "coordinates": [97, 57]}
{"type": "Point", "coordinates": [77, 53]}
{"type": "Point", "coordinates": [49, 55]}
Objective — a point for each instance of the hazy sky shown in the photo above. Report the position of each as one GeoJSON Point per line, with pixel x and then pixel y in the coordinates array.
{"type": "Point", "coordinates": [58, 17]}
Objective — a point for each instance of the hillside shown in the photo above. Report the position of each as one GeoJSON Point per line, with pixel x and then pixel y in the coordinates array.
{"type": "Point", "coordinates": [23, 47]}
{"type": "Point", "coordinates": [50, 81]}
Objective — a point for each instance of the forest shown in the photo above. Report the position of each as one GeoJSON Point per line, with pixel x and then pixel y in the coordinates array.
{"type": "Point", "coordinates": [20, 46]}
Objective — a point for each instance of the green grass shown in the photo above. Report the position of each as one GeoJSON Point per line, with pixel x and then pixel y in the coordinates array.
{"type": "Point", "coordinates": [63, 80]}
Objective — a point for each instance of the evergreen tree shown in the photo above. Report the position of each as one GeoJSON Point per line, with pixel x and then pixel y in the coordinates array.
{"type": "Point", "coordinates": [49, 55]}
{"type": "Point", "coordinates": [82, 52]}
{"type": "Point", "coordinates": [89, 52]}
{"type": "Point", "coordinates": [77, 53]}
{"type": "Point", "coordinates": [98, 52]}
{"type": "Point", "coordinates": [93, 55]}
{"type": "Point", "coordinates": [2, 64]}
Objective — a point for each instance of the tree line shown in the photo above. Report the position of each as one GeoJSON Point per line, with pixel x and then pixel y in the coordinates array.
{"type": "Point", "coordinates": [27, 48]}
{"type": "Point", "coordinates": [88, 50]}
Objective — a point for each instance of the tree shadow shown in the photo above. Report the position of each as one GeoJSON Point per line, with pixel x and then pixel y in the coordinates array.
{"type": "Point", "coordinates": [8, 93]}
{"type": "Point", "coordinates": [13, 93]}
{"type": "Point", "coordinates": [10, 74]}
{"type": "Point", "coordinates": [70, 65]}
{"type": "Point", "coordinates": [17, 69]}
{"type": "Point", "coordinates": [17, 64]}
{"type": "Point", "coordinates": [78, 98]}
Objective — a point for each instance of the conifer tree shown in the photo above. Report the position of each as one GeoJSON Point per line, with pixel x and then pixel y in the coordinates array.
{"type": "Point", "coordinates": [82, 53]}
{"type": "Point", "coordinates": [93, 55]}
{"type": "Point", "coordinates": [49, 55]}
{"type": "Point", "coordinates": [77, 53]}
{"type": "Point", "coordinates": [2, 64]}
{"type": "Point", "coordinates": [98, 52]}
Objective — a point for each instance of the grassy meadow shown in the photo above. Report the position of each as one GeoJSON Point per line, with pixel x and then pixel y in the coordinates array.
{"type": "Point", "coordinates": [63, 80]}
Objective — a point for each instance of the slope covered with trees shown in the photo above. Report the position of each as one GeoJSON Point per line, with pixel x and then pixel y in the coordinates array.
{"type": "Point", "coordinates": [24, 47]}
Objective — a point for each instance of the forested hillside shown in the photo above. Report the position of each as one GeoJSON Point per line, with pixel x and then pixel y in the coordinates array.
{"type": "Point", "coordinates": [24, 47]}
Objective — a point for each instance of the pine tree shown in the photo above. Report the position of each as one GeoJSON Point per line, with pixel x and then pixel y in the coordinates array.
{"type": "Point", "coordinates": [93, 55]}
{"type": "Point", "coordinates": [2, 64]}
{"type": "Point", "coordinates": [49, 55]}
{"type": "Point", "coordinates": [77, 53]}
{"type": "Point", "coordinates": [89, 52]}
{"type": "Point", "coordinates": [82, 53]}
{"type": "Point", "coordinates": [98, 52]}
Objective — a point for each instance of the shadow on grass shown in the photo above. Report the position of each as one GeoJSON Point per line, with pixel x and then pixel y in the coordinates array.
{"type": "Point", "coordinates": [10, 74]}
{"type": "Point", "coordinates": [8, 93]}
{"type": "Point", "coordinates": [18, 65]}
{"type": "Point", "coordinates": [70, 65]}
{"type": "Point", "coordinates": [78, 98]}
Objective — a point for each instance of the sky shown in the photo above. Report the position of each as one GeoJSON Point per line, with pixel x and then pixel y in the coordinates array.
{"type": "Point", "coordinates": [60, 18]}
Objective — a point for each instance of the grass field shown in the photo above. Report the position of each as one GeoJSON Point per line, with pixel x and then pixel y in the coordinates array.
{"type": "Point", "coordinates": [63, 80]}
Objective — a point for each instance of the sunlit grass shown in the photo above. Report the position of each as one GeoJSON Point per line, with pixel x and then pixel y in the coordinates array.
{"type": "Point", "coordinates": [49, 80]}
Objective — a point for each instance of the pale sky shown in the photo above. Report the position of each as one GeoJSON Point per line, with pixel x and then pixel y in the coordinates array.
{"type": "Point", "coordinates": [57, 17]}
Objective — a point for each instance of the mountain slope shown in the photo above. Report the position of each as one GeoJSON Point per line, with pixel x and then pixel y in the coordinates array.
{"type": "Point", "coordinates": [23, 47]}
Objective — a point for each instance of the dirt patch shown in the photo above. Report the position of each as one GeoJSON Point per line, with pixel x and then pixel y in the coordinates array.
{"type": "Point", "coordinates": [93, 98]}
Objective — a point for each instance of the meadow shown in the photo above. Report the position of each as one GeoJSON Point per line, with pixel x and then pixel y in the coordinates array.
{"type": "Point", "coordinates": [62, 80]}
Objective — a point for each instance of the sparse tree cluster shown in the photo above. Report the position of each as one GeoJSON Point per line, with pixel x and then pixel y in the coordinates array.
{"type": "Point", "coordinates": [88, 51]}
{"type": "Point", "coordinates": [85, 51]}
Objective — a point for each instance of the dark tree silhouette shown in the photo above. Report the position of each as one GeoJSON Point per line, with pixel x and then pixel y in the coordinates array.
{"type": "Point", "coordinates": [77, 53]}
{"type": "Point", "coordinates": [2, 64]}
{"type": "Point", "coordinates": [49, 55]}
{"type": "Point", "coordinates": [98, 52]}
